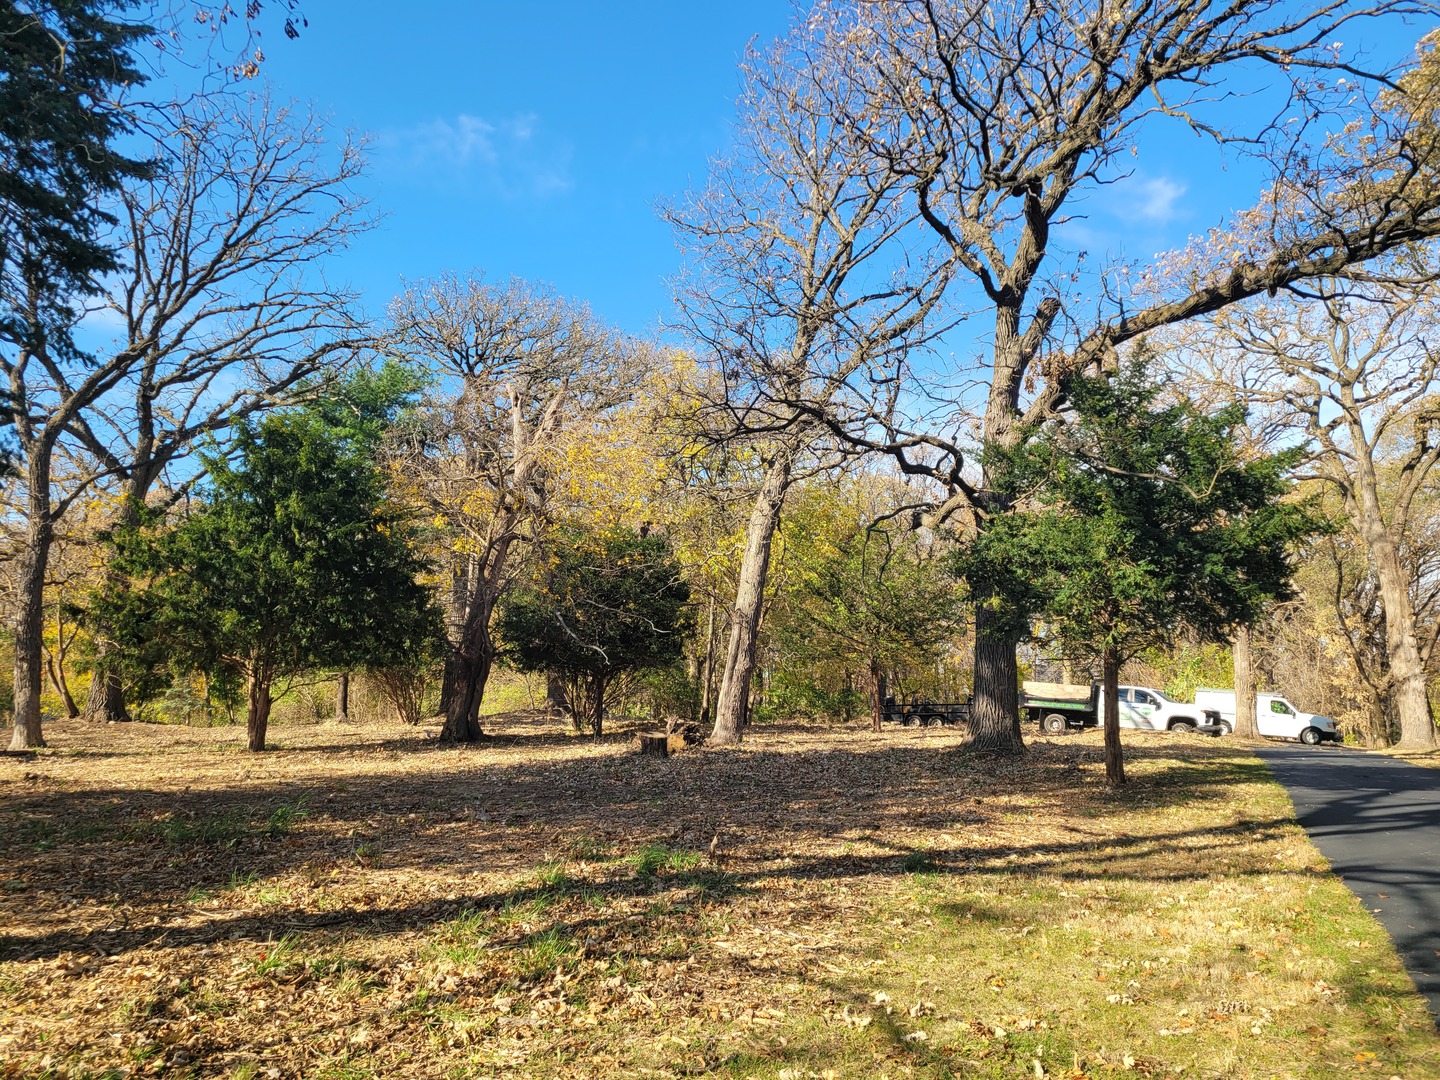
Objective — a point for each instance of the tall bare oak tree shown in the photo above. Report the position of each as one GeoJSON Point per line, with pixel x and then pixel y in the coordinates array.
{"type": "Point", "coordinates": [511, 364]}
{"type": "Point", "coordinates": [800, 283]}
{"type": "Point", "coordinates": [1020, 109]}
{"type": "Point", "coordinates": [222, 309]}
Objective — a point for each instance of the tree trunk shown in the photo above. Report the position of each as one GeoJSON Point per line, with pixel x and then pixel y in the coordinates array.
{"type": "Point", "coordinates": [707, 671]}
{"type": "Point", "coordinates": [448, 679]}
{"type": "Point", "coordinates": [463, 583]}
{"type": "Point", "coordinates": [56, 670]}
{"type": "Point", "coordinates": [995, 704]}
{"type": "Point", "coordinates": [1407, 671]}
{"type": "Point", "coordinates": [257, 717]}
{"type": "Point", "coordinates": [342, 696]}
{"type": "Point", "coordinates": [468, 669]}
{"type": "Point", "coordinates": [730, 710]}
{"type": "Point", "coordinates": [876, 690]}
{"type": "Point", "coordinates": [469, 674]}
{"type": "Point", "coordinates": [1114, 754]}
{"type": "Point", "coordinates": [597, 705]}
{"type": "Point", "coordinates": [1247, 724]}
{"type": "Point", "coordinates": [106, 701]}
{"type": "Point", "coordinates": [557, 699]}
{"type": "Point", "coordinates": [30, 566]}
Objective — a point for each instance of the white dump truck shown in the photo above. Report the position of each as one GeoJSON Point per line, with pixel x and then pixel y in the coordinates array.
{"type": "Point", "coordinates": [1276, 717]}
{"type": "Point", "coordinates": [1057, 707]}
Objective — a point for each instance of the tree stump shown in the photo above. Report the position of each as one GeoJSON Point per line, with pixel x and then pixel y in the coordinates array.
{"type": "Point", "coordinates": [656, 744]}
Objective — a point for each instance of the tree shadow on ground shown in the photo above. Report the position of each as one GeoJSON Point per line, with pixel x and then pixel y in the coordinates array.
{"type": "Point", "coordinates": [811, 813]}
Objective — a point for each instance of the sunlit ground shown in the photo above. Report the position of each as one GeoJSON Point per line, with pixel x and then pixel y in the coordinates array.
{"type": "Point", "coordinates": [822, 902]}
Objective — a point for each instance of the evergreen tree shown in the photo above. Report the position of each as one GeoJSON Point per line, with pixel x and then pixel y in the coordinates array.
{"type": "Point", "coordinates": [292, 562]}
{"type": "Point", "coordinates": [602, 603]}
{"type": "Point", "coordinates": [61, 65]}
{"type": "Point", "coordinates": [1136, 519]}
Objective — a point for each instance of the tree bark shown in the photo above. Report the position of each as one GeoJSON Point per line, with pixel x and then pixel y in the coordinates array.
{"type": "Point", "coordinates": [30, 566]}
{"type": "Point", "coordinates": [730, 710]}
{"type": "Point", "coordinates": [342, 696]}
{"type": "Point", "coordinates": [1114, 753]}
{"type": "Point", "coordinates": [1407, 671]}
{"type": "Point", "coordinates": [557, 699]}
{"type": "Point", "coordinates": [707, 670]}
{"type": "Point", "coordinates": [877, 689]}
{"type": "Point", "coordinates": [468, 670]}
{"type": "Point", "coordinates": [56, 670]}
{"type": "Point", "coordinates": [1247, 725]}
{"type": "Point", "coordinates": [257, 717]}
{"type": "Point", "coordinates": [597, 705]}
{"type": "Point", "coordinates": [995, 703]}
{"type": "Point", "coordinates": [106, 701]}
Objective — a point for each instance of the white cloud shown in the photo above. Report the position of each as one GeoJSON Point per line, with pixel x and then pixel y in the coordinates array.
{"type": "Point", "coordinates": [513, 157]}
{"type": "Point", "coordinates": [1154, 199]}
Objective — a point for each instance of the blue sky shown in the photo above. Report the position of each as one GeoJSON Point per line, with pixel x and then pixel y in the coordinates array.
{"type": "Point", "coordinates": [537, 139]}
{"type": "Point", "coordinates": [527, 139]}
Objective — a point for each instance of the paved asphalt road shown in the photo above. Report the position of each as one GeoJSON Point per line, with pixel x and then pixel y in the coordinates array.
{"type": "Point", "coordinates": [1378, 822]}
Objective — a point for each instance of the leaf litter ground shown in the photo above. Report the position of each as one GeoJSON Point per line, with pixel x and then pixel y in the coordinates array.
{"type": "Point", "coordinates": [822, 902]}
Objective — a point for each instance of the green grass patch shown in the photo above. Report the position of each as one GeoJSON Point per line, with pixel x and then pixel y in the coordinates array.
{"type": "Point", "coordinates": [543, 952]}
{"type": "Point", "coordinates": [225, 828]}
{"type": "Point", "coordinates": [655, 859]}
{"type": "Point", "coordinates": [281, 956]}
{"type": "Point", "coordinates": [462, 940]}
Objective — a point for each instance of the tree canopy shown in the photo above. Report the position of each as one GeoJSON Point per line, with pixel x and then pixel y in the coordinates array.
{"type": "Point", "coordinates": [602, 602]}
{"type": "Point", "coordinates": [62, 63]}
{"type": "Point", "coordinates": [292, 561]}
{"type": "Point", "coordinates": [1136, 518]}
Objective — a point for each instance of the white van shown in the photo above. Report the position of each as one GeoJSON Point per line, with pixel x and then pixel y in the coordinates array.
{"type": "Point", "coordinates": [1276, 717]}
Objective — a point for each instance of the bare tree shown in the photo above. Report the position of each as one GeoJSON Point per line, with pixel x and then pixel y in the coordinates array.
{"type": "Point", "coordinates": [512, 363]}
{"type": "Point", "coordinates": [1354, 364]}
{"type": "Point", "coordinates": [222, 296]}
{"type": "Point", "coordinates": [1021, 108]}
{"type": "Point", "coordinates": [801, 286]}
{"type": "Point", "coordinates": [222, 310]}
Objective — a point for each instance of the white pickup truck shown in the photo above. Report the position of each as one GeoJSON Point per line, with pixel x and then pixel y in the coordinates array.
{"type": "Point", "coordinates": [1057, 707]}
{"type": "Point", "coordinates": [1275, 716]}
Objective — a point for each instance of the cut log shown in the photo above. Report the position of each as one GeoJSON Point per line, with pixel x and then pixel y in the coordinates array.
{"type": "Point", "coordinates": [662, 743]}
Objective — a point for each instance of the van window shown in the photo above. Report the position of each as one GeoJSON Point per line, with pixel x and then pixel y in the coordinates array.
{"type": "Point", "coordinates": [1125, 694]}
{"type": "Point", "coordinates": [1280, 707]}
{"type": "Point", "coordinates": [1142, 698]}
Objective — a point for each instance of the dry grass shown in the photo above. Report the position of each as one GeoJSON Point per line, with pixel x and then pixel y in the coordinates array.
{"type": "Point", "coordinates": [821, 902]}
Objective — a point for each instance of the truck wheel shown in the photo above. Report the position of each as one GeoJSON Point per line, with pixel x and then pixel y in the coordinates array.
{"type": "Point", "coordinates": [1182, 725]}
{"type": "Point", "coordinates": [1226, 728]}
{"type": "Point", "coordinates": [1054, 724]}
{"type": "Point", "coordinates": [1310, 736]}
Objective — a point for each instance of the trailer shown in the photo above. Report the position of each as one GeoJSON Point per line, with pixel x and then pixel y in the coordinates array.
{"type": "Point", "coordinates": [926, 713]}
